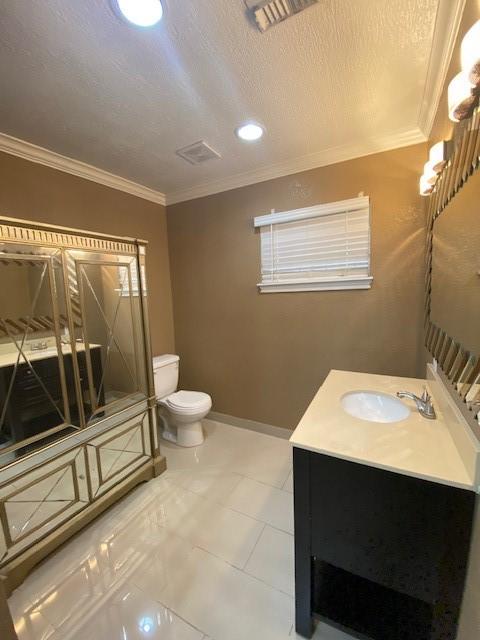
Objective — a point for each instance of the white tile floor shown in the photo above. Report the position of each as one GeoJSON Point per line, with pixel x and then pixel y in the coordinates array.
{"type": "Point", "coordinates": [205, 552]}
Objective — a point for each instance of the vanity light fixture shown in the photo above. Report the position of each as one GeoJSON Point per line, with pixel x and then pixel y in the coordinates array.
{"type": "Point", "coordinates": [249, 131]}
{"type": "Point", "coordinates": [461, 96]}
{"type": "Point", "coordinates": [429, 173]}
{"type": "Point", "coordinates": [470, 54]}
{"type": "Point", "coordinates": [425, 187]}
{"type": "Point", "coordinates": [439, 154]}
{"type": "Point", "coordinates": [142, 13]}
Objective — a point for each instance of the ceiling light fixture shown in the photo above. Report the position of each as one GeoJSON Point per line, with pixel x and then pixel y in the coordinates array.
{"type": "Point", "coordinates": [249, 132]}
{"type": "Point", "coordinates": [142, 13]}
{"type": "Point", "coordinates": [429, 173]}
{"type": "Point", "coordinates": [439, 155]}
{"type": "Point", "coordinates": [461, 97]}
{"type": "Point", "coordinates": [425, 187]}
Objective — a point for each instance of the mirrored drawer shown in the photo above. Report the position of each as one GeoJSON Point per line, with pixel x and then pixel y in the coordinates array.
{"type": "Point", "coordinates": [115, 454]}
{"type": "Point", "coordinates": [37, 501]}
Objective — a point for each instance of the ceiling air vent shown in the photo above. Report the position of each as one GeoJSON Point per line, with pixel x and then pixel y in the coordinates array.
{"type": "Point", "coordinates": [197, 153]}
{"type": "Point", "coordinates": [267, 14]}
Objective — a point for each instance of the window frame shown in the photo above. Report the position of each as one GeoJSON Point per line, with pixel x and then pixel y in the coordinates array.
{"type": "Point", "coordinates": [325, 283]}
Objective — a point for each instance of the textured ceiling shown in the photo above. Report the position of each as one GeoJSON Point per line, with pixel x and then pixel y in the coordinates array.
{"type": "Point", "coordinates": [77, 80]}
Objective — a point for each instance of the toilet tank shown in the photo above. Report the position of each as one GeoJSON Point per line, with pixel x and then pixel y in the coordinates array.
{"type": "Point", "coordinates": [165, 374]}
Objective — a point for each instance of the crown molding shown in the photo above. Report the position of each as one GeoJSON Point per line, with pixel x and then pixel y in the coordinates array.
{"type": "Point", "coordinates": [33, 153]}
{"type": "Point", "coordinates": [447, 23]}
{"type": "Point", "coordinates": [296, 165]}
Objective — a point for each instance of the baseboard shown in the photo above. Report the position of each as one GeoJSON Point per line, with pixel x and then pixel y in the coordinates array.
{"type": "Point", "coordinates": [252, 425]}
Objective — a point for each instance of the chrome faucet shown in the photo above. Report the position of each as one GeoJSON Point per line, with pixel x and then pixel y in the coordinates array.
{"type": "Point", "coordinates": [39, 346]}
{"type": "Point", "coordinates": [424, 404]}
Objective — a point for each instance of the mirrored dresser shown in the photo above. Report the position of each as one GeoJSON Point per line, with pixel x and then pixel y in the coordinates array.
{"type": "Point", "coordinates": [77, 404]}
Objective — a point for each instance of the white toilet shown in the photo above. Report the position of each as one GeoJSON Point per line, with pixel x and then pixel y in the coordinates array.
{"type": "Point", "coordinates": [185, 409]}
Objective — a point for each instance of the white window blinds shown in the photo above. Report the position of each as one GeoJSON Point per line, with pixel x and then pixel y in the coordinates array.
{"type": "Point", "coordinates": [124, 281]}
{"type": "Point", "coordinates": [318, 248]}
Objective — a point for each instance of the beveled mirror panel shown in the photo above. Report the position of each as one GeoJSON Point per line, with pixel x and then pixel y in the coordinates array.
{"type": "Point", "coordinates": [453, 272]}
{"type": "Point", "coordinates": [109, 336]}
{"type": "Point", "coordinates": [455, 296]}
{"type": "Point", "coordinates": [34, 372]}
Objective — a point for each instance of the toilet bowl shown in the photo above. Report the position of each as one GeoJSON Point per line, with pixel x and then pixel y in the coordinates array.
{"type": "Point", "coordinates": [183, 410]}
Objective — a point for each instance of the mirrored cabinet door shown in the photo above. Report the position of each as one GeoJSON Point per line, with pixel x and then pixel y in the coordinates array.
{"type": "Point", "coordinates": [108, 334]}
{"type": "Point", "coordinates": [35, 368]}
{"type": "Point", "coordinates": [72, 350]}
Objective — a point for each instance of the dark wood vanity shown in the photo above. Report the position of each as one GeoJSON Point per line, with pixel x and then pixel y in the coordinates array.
{"type": "Point", "coordinates": [377, 552]}
{"type": "Point", "coordinates": [30, 407]}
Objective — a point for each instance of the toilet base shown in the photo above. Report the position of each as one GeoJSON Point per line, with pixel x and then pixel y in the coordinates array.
{"type": "Point", "coordinates": [190, 435]}
{"type": "Point", "coordinates": [169, 436]}
{"type": "Point", "coordinates": [187, 435]}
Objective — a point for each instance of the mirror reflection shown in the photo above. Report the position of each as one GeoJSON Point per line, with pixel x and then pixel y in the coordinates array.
{"type": "Point", "coordinates": [455, 297]}
{"type": "Point", "coordinates": [51, 303]}
{"type": "Point", "coordinates": [33, 378]}
{"type": "Point", "coordinates": [109, 299]}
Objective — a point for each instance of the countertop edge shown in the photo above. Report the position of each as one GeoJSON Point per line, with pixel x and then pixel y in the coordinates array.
{"type": "Point", "coordinates": [391, 469]}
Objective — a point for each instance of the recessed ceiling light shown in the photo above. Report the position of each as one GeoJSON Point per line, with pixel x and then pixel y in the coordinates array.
{"type": "Point", "coordinates": [250, 131]}
{"type": "Point", "coordinates": [142, 13]}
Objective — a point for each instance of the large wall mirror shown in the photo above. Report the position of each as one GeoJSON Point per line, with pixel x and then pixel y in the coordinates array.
{"type": "Point", "coordinates": [453, 272]}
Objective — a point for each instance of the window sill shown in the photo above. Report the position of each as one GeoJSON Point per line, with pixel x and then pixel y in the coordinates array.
{"type": "Point", "coordinates": [326, 284]}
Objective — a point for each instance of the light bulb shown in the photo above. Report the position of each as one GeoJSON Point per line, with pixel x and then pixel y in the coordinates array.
{"type": "Point", "coordinates": [460, 97]}
{"type": "Point", "coordinates": [425, 187]}
{"type": "Point", "coordinates": [250, 131]}
{"type": "Point", "coordinates": [429, 174]}
{"type": "Point", "coordinates": [142, 13]}
{"type": "Point", "coordinates": [438, 155]}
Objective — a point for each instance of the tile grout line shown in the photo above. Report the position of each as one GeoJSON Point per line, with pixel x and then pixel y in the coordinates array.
{"type": "Point", "coordinates": [190, 624]}
{"type": "Point", "coordinates": [173, 610]}
{"type": "Point", "coordinates": [169, 608]}
{"type": "Point", "coordinates": [253, 549]}
{"type": "Point", "coordinates": [256, 577]}
{"type": "Point", "coordinates": [229, 564]}
{"type": "Point", "coordinates": [228, 508]}
{"type": "Point", "coordinates": [268, 524]}
{"type": "Point", "coordinates": [237, 473]}
{"type": "Point", "coordinates": [232, 566]}
{"type": "Point", "coordinates": [286, 480]}
{"type": "Point", "coordinates": [265, 484]}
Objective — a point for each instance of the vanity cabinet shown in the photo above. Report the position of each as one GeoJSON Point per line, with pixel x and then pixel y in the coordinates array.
{"type": "Point", "coordinates": [381, 553]}
{"type": "Point", "coordinates": [30, 405]}
{"type": "Point", "coordinates": [77, 401]}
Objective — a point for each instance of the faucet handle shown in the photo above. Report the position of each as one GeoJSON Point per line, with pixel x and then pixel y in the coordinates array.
{"type": "Point", "coordinates": [426, 397]}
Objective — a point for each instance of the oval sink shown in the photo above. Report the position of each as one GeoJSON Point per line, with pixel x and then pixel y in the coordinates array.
{"type": "Point", "coordinates": [374, 406]}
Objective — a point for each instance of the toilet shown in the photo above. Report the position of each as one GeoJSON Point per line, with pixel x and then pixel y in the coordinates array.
{"type": "Point", "coordinates": [184, 409]}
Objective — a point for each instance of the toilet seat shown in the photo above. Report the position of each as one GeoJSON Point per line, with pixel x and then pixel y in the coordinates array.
{"type": "Point", "coordinates": [186, 402]}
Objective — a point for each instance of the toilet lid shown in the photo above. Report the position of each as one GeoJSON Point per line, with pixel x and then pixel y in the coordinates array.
{"type": "Point", "coordinates": [188, 400]}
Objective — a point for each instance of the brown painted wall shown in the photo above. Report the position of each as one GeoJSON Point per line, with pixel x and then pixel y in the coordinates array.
{"type": "Point", "coordinates": [263, 356]}
{"type": "Point", "coordinates": [35, 192]}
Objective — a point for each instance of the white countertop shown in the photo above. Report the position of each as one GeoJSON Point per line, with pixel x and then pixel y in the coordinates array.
{"type": "Point", "coordinates": [9, 359]}
{"type": "Point", "coordinates": [415, 446]}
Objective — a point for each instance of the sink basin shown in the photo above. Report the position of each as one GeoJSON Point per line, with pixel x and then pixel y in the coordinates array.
{"type": "Point", "coordinates": [374, 406]}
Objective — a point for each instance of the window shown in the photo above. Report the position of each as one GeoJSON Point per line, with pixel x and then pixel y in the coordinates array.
{"type": "Point", "coordinates": [124, 282]}
{"type": "Point", "coordinates": [325, 247]}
